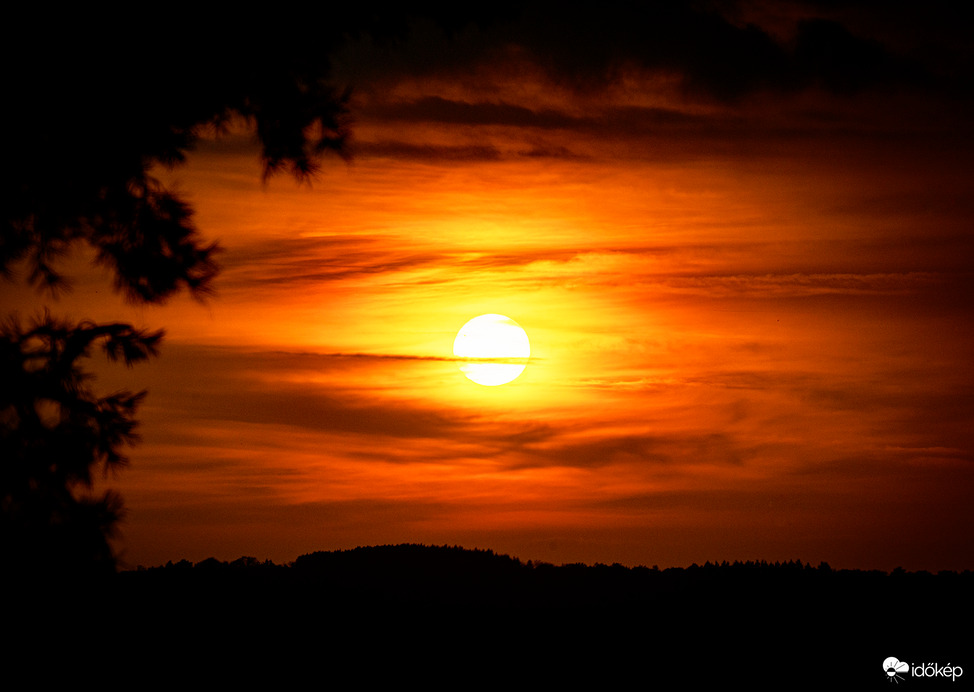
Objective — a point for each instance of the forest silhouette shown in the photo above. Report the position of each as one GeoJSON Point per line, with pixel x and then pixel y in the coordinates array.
{"type": "Point", "coordinates": [451, 575]}
{"type": "Point", "coordinates": [406, 603]}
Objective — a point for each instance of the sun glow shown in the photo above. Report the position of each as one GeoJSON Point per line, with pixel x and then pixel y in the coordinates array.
{"type": "Point", "coordinates": [495, 349]}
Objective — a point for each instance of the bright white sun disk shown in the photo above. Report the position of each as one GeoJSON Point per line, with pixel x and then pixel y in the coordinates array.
{"type": "Point", "coordinates": [497, 347]}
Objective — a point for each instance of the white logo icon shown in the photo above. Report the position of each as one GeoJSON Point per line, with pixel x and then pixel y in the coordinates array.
{"type": "Point", "coordinates": [893, 667]}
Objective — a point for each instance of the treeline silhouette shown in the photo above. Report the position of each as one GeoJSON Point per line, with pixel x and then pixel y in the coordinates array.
{"type": "Point", "coordinates": [427, 606]}
{"type": "Point", "coordinates": [445, 576]}
{"type": "Point", "coordinates": [454, 560]}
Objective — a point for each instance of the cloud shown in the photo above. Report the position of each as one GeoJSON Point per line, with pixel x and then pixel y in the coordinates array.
{"type": "Point", "coordinates": [598, 448]}
{"type": "Point", "coordinates": [455, 112]}
{"type": "Point", "coordinates": [327, 394]}
{"type": "Point", "coordinates": [772, 286]}
{"type": "Point", "coordinates": [715, 50]}
{"type": "Point", "coordinates": [427, 152]}
{"type": "Point", "coordinates": [293, 261]}
{"type": "Point", "coordinates": [437, 109]}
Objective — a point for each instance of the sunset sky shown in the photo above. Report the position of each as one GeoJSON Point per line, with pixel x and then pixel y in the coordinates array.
{"type": "Point", "coordinates": [740, 242]}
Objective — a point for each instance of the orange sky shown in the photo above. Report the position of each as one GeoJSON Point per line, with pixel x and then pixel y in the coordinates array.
{"type": "Point", "coordinates": [749, 320]}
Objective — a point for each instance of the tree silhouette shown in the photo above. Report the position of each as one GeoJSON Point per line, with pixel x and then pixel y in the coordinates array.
{"type": "Point", "coordinates": [54, 433]}
{"type": "Point", "coordinates": [87, 133]}
{"type": "Point", "coordinates": [87, 129]}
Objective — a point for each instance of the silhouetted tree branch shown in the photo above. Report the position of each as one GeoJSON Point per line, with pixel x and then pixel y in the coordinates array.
{"type": "Point", "coordinates": [86, 133]}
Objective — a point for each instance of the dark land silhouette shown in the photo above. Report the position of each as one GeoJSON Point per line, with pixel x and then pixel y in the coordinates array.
{"type": "Point", "coordinates": [416, 605]}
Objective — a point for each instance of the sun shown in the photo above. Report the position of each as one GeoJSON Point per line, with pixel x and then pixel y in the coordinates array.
{"type": "Point", "coordinates": [495, 349]}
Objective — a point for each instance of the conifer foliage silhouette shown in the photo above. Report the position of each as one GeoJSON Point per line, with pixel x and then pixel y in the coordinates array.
{"type": "Point", "coordinates": [87, 128]}
{"type": "Point", "coordinates": [55, 433]}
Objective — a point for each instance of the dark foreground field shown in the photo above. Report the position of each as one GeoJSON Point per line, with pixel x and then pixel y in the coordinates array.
{"type": "Point", "coordinates": [416, 611]}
